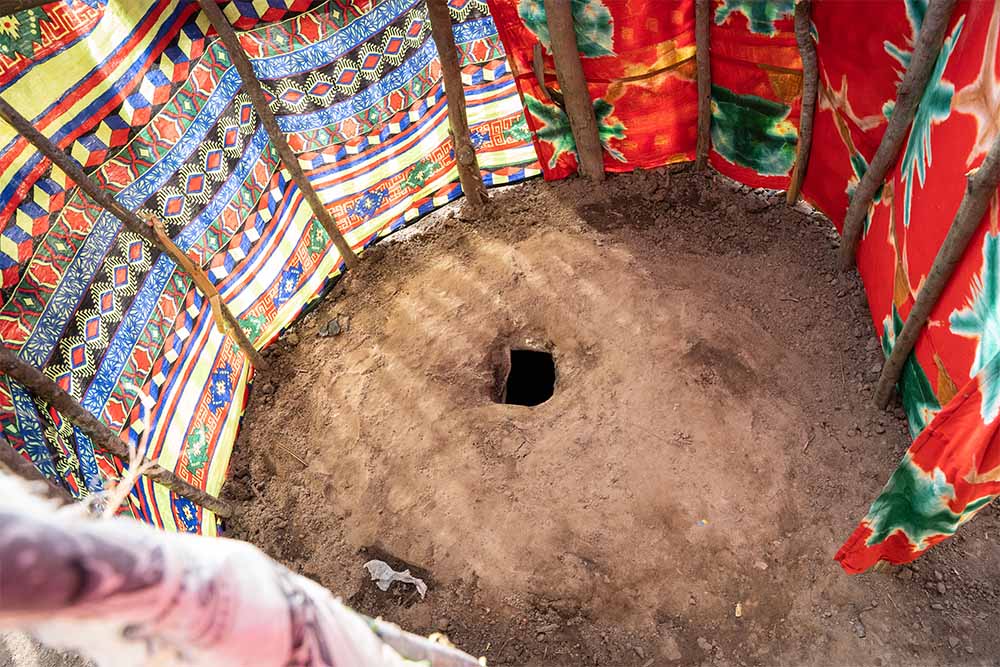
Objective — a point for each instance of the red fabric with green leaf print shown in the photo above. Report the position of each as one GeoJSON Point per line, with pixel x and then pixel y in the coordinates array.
{"type": "Point", "coordinates": [756, 91]}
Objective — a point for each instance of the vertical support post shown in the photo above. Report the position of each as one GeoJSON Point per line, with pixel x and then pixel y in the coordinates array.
{"type": "Point", "coordinates": [925, 53]}
{"type": "Point", "coordinates": [252, 87]}
{"type": "Point", "coordinates": [132, 222]}
{"type": "Point", "coordinates": [810, 87]}
{"type": "Point", "coordinates": [576, 95]}
{"type": "Point", "coordinates": [702, 39]}
{"type": "Point", "coordinates": [32, 378]}
{"type": "Point", "coordinates": [14, 6]}
{"type": "Point", "coordinates": [980, 188]}
{"type": "Point", "coordinates": [465, 153]}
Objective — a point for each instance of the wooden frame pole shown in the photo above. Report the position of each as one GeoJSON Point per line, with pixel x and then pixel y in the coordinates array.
{"type": "Point", "coordinates": [14, 6]}
{"type": "Point", "coordinates": [573, 85]}
{"type": "Point", "coordinates": [102, 436]}
{"type": "Point", "coordinates": [925, 53]}
{"type": "Point", "coordinates": [252, 87]}
{"type": "Point", "coordinates": [132, 222]}
{"type": "Point", "coordinates": [451, 74]}
{"type": "Point", "coordinates": [21, 467]}
{"type": "Point", "coordinates": [225, 321]}
{"type": "Point", "coordinates": [810, 88]}
{"type": "Point", "coordinates": [702, 25]}
{"type": "Point", "coordinates": [981, 186]}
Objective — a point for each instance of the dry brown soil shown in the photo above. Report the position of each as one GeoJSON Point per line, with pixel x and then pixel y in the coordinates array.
{"type": "Point", "coordinates": [678, 501]}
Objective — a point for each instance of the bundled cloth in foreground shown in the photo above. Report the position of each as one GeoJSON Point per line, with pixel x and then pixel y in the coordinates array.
{"type": "Point", "coordinates": [125, 594]}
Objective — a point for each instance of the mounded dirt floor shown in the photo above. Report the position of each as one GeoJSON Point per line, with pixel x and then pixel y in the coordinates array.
{"type": "Point", "coordinates": [678, 501]}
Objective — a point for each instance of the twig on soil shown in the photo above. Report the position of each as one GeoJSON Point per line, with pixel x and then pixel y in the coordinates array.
{"type": "Point", "coordinates": [843, 373]}
{"type": "Point", "coordinates": [812, 436]}
{"type": "Point", "coordinates": [789, 298]}
{"type": "Point", "coordinates": [651, 433]}
{"type": "Point", "coordinates": [523, 443]}
{"type": "Point", "coordinates": [292, 454]}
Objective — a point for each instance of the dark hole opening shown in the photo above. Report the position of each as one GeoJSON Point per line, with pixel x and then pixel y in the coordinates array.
{"type": "Point", "coordinates": [532, 378]}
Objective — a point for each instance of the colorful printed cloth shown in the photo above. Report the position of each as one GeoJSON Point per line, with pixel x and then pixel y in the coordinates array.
{"type": "Point", "coordinates": [756, 91]}
{"type": "Point", "coordinates": [124, 595]}
{"type": "Point", "coordinates": [151, 105]}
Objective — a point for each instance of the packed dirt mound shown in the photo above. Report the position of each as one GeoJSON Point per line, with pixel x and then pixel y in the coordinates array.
{"type": "Point", "coordinates": [709, 441]}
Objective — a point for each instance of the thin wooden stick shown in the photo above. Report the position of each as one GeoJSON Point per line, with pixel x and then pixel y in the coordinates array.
{"type": "Point", "coordinates": [573, 85]}
{"type": "Point", "coordinates": [21, 467]}
{"type": "Point", "coordinates": [810, 87]}
{"type": "Point", "coordinates": [102, 436]}
{"type": "Point", "coordinates": [538, 67]}
{"type": "Point", "coordinates": [252, 87]}
{"type": "Point", "coordinates": [465, 153]}
{"type": "Point", "coordinates": [14, 6]}
{"type": "Point", "coordinates": [981, 186]}
{"type": "Point", "coordinates": [293, 455]}
{"type": "Point", "coordinates": [421, 649]}
{"type": "Point", "coordinates": [130, 219]}
{"type": "Point", "coordinates": [702, 25]}
{"type": "Point", "coordinates": [922, 60]}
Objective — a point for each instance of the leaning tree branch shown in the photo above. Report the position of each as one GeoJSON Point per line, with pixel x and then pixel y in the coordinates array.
{"type": "Point", "coordinates": [981, 186]}
{"type": "Point", "coordinates": [465, 152]}
{"type": "Point", "coordinates": [14, 6]}
{"type": "Point", "coordinates": [810, 87]}
{"type": "Point", "coordinates": [130, 219]}
{"type": "Point", "coordinates": [573, 85]}
{"type": "Point", "coordinates": [702, 39]}
{"type": "Point", "coordinates": [925, 54]}
{"type": "Point", "coordinates": [102, 436]}
{"type": "Point", "coordinates": [253, 89]}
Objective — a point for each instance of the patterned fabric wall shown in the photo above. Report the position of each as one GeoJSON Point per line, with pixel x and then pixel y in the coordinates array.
{"type": "Point", "coordinates": [151, 105]}
{"type": "Point", "coordinates": [756, 91]}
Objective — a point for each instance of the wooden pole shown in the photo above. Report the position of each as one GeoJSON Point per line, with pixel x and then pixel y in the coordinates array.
{"type": "Point", "coordinates": [252, 87]}
{"type": "Point", "coordinates": [21, 467]}
{"type": "Point", "coordinates": [224, 318]}
{"type": "Point", "coordinates": [102, 436]}
{"type": "Point", "coordinates": [14, 6]}
{"type": "Point", "coordinates": [702, 24]}
{"type": "Point", "coordinates": [569, 72]}
{"type": "Point", "coordinates": [810, 87]}
{"type": "Point", "coordinates": [132, 222]}
{"type": "Point", "coordinates": [465, 153]}
{"type": "Point", "coordinates": [925, 54]}
{"type": "Point", "coordinates": [981, 186]}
